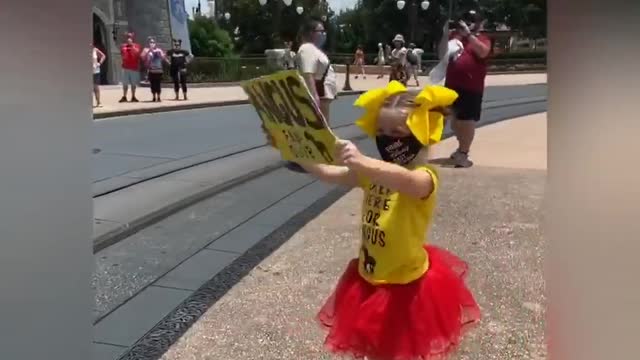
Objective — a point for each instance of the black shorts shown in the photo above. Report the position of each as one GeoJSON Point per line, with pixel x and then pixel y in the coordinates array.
{"type": "Point", "coordinates": [468, 105]}
{"type": "Point", "coordinates": [96, 79]}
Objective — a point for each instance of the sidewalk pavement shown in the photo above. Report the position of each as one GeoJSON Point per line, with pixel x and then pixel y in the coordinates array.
{"type": "Point", "coordinates": [232, 95]}
{"type": "Point", "coordinates": [489, 215]}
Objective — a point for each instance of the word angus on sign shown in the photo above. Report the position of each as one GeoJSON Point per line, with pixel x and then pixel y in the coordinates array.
{"type": "Point", "coordinates": [292, 118]}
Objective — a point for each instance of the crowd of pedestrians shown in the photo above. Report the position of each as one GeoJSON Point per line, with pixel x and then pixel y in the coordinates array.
{"type": "Point", "coordinates": [465, 70]}
{"type": "Point", "coordinates": [149, 63]}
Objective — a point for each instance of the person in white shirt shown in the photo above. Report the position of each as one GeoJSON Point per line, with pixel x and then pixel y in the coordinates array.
{"type": "Point", "coordinates": [98, 58]}
{"type": "Point", "coordinates": [315, 67]}
{"type": "Point", "coordinates": [398, 57]}
{"type": "Point", "coordinates": [380, 61]}
{"type": "Point", "coordinates": [399, 52]}
{"type": "Point", "coordinates": [414, 62]}
{"type": "Point", "coordinates": [289, 56]}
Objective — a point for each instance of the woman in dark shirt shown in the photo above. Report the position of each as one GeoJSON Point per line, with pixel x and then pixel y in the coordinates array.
{"type": "Point", "coordinates": [178, 60]}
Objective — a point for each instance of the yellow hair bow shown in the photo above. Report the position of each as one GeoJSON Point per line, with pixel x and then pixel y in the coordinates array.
{"type": "Point", "coordinates": [426, 125]}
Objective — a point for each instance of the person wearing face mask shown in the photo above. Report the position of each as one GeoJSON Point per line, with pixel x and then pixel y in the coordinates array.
{"type": "Point", "coordinates": [178, 60]}
{"type": "Point", "coordinates": [398, 57]}
{"type": "Point", "coordinates": [155, 58]}
{"type": "Point", "coordinates": [401, 298]}
{"type": "Point", "coordinates": [466, 75]}
{"type": "Point", "coordinates": [315, 67]}
{"type": "Point", "coordinates": [130, 52]}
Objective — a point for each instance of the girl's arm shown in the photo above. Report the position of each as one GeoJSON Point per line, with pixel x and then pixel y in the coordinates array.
{"type": "Point", "coordinates": [415, 183]}
{"type": "Point", "coordinates": [340, 175]}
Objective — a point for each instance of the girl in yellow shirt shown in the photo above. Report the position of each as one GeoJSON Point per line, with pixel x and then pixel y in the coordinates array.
{"type": "Point", "coordinates": [401, 299]}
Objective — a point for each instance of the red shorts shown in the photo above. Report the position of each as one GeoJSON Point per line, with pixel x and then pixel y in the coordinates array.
{"type": "Point", "coordinates": [424, 319]}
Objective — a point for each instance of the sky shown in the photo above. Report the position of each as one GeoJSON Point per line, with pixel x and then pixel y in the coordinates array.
{"type": "Point", "coordinates": [336, 5]}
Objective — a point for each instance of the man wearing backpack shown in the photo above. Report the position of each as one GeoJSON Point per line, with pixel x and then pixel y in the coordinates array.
{"type": "Point", "coordinates": [414, 62]}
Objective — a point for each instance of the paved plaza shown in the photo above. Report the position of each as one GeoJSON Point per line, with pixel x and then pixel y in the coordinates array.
{"type": "Point", "coordinates": [489, 215]}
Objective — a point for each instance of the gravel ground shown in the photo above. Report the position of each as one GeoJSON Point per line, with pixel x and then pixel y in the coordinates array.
{"type": "Point", "coordinates": [488, 216]}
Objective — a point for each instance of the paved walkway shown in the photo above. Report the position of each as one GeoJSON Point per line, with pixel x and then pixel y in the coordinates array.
{"type": "Point", "coordinates": [489, 215]}
{"type": "Point", "coordinates": [210, 96]}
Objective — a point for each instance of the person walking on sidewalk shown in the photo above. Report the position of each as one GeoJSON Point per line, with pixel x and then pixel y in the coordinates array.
{"type": "Point", "coordinates": [398, 56]}
{"type": "Point", "coordinates": [315, 67]}
{"type": "Point", "coordinates": [380, 61]}
{"type": "Point", "coordinates": [401, 298]}
{"type": "Point", "coordinates": [414, 62]}
{"type": "Point", "coordinates": [289, 56]}
{"type": "Point", "coordinates": [130, 52]}
{"type": "Point", "coordinates": [155, 59]}
{"type": "Point", "coordinates": [98, 59]}
{"type": "Point", "coordinates": [466, 75]}
{"type": "Point", "coordinates": [359, 62]}
{"type": "Point", "coordinates": [178, 60]}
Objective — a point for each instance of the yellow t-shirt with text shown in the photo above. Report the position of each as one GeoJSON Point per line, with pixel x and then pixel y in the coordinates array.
{"type": "Point", "coordinates": [394, 226]}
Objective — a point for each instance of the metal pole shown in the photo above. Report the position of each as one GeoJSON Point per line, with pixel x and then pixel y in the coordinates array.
{"type": "Point", "coordinates": [347, 84]}
{"type": "Point", "coordinates": [413, 12]}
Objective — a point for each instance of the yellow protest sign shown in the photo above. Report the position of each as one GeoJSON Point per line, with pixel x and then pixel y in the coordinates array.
{"type": "Point", "coordinates": [291, 116]}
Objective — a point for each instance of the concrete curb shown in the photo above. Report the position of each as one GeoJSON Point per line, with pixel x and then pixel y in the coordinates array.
{"type": "Point", "coordinates": [190, 106]}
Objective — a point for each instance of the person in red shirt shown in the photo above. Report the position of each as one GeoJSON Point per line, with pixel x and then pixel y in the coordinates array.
{"type": "Point", "coordinates": [131, 54]}
{"type": "Point", "coordinates": [466, 75]}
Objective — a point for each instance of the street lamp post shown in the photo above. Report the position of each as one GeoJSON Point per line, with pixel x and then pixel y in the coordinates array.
{"type": "Point", "coordinates": [413, 14]}
{"type": "Point", "coordinates": [276, 14]}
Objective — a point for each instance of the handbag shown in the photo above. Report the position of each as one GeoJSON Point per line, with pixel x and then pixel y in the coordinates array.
{"type": "Point", "coordinates": [320, 83]}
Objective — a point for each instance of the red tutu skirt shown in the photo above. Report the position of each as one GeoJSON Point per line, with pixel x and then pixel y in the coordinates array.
{"type": "Point", "coordinates": [422, 320]}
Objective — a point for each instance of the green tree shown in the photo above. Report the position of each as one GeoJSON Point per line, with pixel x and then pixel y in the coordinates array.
{"type": "Point", "coordinates": [208, 39]}
{"type": "Point", "coordinates": [266, 27]}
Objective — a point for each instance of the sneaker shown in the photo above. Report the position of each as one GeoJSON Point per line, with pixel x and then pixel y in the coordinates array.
{"type": "Point", "coordinates": [461, 160]}
{"type": "Point", "coordinates": [133, 99]}
{"type": "Point", "coordinates": [123, 99]}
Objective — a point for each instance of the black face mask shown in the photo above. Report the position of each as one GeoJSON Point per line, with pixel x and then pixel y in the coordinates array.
{"type": "Point", "coordinates": [400, 151]}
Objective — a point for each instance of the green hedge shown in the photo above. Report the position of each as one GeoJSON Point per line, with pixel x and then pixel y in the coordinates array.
{"type": "Point", "coordinates": [226, 69]}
